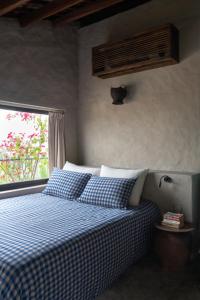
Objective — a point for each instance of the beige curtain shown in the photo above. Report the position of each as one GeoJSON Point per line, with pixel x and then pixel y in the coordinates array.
{"type": "Point", "coordinates": [56, 140]}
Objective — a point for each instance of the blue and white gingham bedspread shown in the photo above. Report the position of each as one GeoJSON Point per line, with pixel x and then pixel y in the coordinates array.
{"type": "Point", "coordinates": [55, 249]}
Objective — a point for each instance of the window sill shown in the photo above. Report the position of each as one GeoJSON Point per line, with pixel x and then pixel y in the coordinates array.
{"type": "Point", "coordinates": [22, 191]}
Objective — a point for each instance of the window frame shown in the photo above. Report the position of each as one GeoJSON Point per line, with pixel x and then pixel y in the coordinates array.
{"type": "Point", "coordinates": [23, 109]}
{"type": "Point", "coordinates": [23, 184]}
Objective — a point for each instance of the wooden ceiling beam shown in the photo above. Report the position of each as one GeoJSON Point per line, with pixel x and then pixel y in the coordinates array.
{"type": "Point", "coordinates": [48, 10]}
{"type": "Point", "coordinates": [10, 5]}
{"type": "Point", "coordinates": [86, 10]}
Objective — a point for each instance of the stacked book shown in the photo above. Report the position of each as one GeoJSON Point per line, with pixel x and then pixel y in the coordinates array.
{"type": "Point", "coordinates": [173, 220]}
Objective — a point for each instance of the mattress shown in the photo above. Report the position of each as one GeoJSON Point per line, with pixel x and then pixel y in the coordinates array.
{"type": "Point", "coordinates": [56, 249]}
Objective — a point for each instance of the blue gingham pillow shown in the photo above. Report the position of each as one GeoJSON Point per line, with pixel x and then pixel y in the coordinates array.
{"type": "Point", "coordinates": [66, 184]}
{"type": "Point", "coordinates": [107, 191]}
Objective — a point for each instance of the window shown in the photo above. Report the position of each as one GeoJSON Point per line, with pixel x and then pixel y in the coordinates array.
{"type": "Point", "coordinates": [23, 148]}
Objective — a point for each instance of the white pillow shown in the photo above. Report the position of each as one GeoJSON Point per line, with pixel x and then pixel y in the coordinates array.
{"type": "Point", "coordinates": [140, 174]}
{"type": "Point", "coordinates": [81, 169]}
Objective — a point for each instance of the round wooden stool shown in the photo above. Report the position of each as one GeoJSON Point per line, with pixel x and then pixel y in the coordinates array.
{"type": "Point", "coordinates": [173, 246]}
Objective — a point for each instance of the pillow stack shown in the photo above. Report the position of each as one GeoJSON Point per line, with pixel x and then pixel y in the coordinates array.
{"type": "Point", "coordinates": [114, 188]}
{"type": "Point", "coordinates": [139, 174]}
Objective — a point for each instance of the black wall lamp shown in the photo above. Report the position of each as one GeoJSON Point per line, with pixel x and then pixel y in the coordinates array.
{"type": "Point", "coordinates": [166, 179]}
{"type": "Point", "coordinates": [118, 94]}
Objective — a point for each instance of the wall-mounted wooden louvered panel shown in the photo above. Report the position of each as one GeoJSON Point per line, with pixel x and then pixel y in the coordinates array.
{"type": "Point", "coordinates": [150, 49]}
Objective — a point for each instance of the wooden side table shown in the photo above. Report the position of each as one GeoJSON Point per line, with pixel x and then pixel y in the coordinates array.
{"type": "Point", "coordinates": [173, 246]}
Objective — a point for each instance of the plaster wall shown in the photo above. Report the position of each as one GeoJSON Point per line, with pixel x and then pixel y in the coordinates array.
{"type": "Point", "coordinates": [159, 124]}
{"type": "Point", "coordinates": [38, 66]}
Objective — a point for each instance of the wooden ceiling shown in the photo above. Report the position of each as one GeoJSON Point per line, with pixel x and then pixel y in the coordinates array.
{"type": "Point", "coordinates": [62, 12]}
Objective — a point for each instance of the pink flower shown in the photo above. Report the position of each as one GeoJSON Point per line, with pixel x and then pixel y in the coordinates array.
{"type": "Point", "coordinates": [5, 145]}
{"type": "Point", "coordinates": [8, 117]}
{"type": "Point", "coordinates": [10, 135]}
{"type": "Point", "coordinates": [26, 116]}
{"type": "Point", "coordinates": [11, 116]}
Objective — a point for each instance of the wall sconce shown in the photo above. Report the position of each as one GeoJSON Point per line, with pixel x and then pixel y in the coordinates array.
{"type": "Point", "coordinates": [118, 95]}
{"type": "Point", "coordinates": [166, 179]}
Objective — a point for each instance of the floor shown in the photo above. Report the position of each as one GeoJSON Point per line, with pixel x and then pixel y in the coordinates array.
{"type": "Point", "coordinates": [146, 281]}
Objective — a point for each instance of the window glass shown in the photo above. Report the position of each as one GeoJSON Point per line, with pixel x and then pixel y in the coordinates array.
{"type": "Point", "coordinates": [23, 146]}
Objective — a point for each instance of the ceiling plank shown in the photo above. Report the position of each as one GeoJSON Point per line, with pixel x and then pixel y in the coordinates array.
{"type": "Point", "coordinates": [86, 10]}
{"type": "Point", "coordinates": [111, 11]}
{"type": "Point", "coordinates": [11, 5]}
{"type": "Point", "coordinates": [48, 10]}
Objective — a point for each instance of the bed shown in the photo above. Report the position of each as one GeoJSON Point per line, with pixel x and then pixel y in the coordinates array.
{"type": "Point", "coordinates": [55, 249]}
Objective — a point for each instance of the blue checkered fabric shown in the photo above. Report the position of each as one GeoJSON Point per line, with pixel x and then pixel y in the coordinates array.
{"type": "Point", "coordinates": [66, 184]}
{"type": "Point", "coordinates": [53, 249]}
{"type": "Point", "coordinates": [107, 191]}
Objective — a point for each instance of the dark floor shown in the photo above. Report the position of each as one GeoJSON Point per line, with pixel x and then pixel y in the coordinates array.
{"type": "Point", "coordinates": [146, 281]}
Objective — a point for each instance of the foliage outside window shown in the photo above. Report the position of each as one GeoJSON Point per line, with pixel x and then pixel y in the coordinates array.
{"type": "Point", "coordinates": [23, 146]}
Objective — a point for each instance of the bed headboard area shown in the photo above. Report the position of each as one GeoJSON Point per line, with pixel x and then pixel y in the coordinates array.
{"type": "Point", "coordinates": [182, 194]}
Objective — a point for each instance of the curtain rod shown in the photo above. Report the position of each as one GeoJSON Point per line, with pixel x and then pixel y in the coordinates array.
{"type": "Point", "coordinates": [30, 106]}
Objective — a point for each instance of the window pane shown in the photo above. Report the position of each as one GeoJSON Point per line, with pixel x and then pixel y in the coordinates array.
{"type": "Point", "coordinates": [23, 146]}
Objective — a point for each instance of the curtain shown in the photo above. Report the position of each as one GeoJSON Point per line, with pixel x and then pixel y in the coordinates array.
{"type": "Point", "coordinates": [56, 140]}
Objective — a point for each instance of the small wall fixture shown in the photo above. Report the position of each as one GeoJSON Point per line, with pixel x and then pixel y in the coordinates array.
{"type": "Point", "coordinates": [118, 94]}
{"type": "Point", "coordinates": [166, 179]}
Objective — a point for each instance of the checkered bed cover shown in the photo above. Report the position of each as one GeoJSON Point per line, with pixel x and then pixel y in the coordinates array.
{"type": "Point", "coordinates": [56, 249]}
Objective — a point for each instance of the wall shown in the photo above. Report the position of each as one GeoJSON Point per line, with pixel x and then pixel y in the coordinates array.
{"type": "Point", "coordinates": [38, 65]}
{"type": "Point", "coordinates": [159, 125]}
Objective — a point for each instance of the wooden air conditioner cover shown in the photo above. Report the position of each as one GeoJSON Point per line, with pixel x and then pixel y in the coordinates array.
{"type": "Point", "coordinates": [154, 48]}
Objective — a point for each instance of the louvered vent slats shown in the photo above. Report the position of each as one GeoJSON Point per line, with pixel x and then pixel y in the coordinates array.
{"type": "Point", "coordinates": [151, 49]}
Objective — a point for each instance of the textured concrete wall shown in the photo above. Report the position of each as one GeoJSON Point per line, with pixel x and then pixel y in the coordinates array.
{"type": "Point", "coordinates": [159, 125]}
{"type": "Point", "coordinates": [38, 66]}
